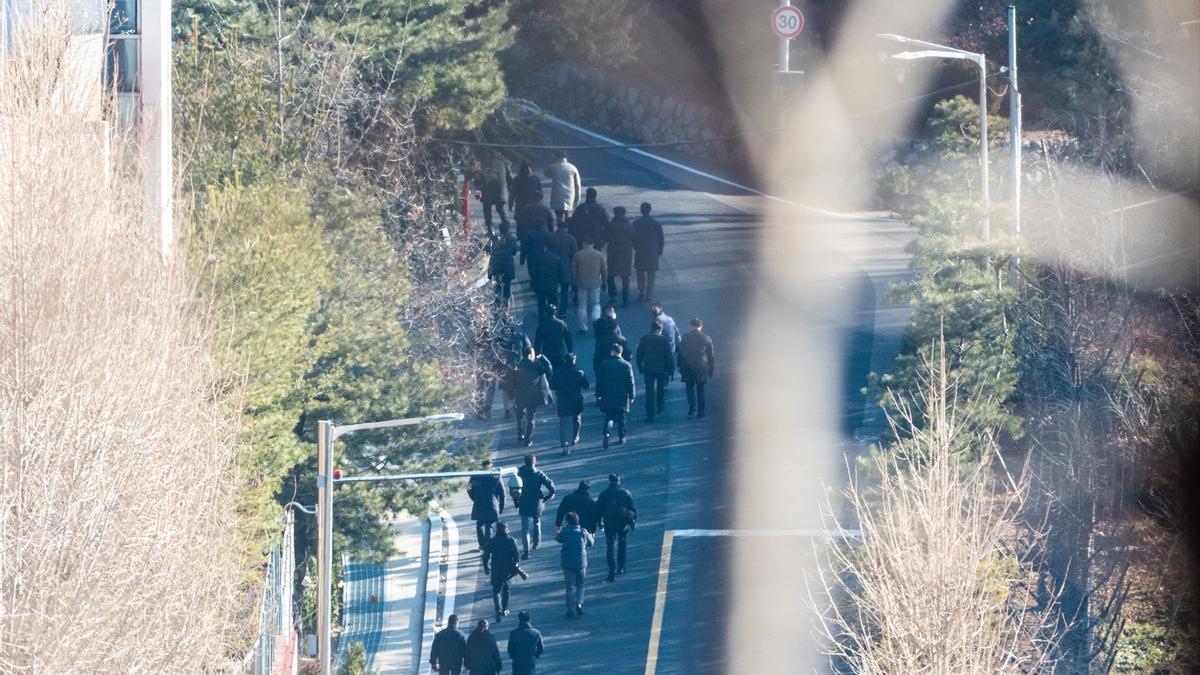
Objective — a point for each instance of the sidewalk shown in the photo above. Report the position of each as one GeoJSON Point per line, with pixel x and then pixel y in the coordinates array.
{"type": "Point", "coordinates": [385, 604]}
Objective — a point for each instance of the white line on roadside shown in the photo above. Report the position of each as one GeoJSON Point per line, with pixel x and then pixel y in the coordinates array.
{"type": "Point", "coordinates": [833, 534]}
{"type": "Point", "coordinates": [664, 571]}
{"type": "Point", "coordinates": [684, 167]}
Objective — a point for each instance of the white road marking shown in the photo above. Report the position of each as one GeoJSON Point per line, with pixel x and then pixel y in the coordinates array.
{"type": "Point", "coordinates": [664, 570]}
{"type": "Point", "coordinates": [833, 534]}
{"type": "Point", "coordinates": [684, 167]}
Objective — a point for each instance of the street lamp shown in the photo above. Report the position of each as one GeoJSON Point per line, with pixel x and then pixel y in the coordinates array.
{"type": "Point", "coordinates": [327, 433]}
{"type": "Point", "coordinates": [936, 51]}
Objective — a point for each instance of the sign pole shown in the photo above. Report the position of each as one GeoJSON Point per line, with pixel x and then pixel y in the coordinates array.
{"type": "Point", "coordinates": [784, 47]}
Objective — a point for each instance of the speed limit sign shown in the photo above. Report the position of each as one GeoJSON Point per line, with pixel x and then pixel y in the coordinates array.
{"type": "Point", "coordinates": [787, 22]}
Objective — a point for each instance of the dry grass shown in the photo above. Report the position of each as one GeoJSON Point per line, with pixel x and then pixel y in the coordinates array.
{"type": "Point", "coordinates": [115, 546]}
{"type": "Point", "coordinates": [935, 585]}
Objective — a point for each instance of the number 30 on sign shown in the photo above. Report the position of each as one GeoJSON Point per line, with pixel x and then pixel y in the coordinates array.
{"type": "Point", "coordinates": [787, 22]}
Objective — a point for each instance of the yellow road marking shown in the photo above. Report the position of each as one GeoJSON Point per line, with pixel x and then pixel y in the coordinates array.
{"type": "Point", "coordinates": [660, 602]}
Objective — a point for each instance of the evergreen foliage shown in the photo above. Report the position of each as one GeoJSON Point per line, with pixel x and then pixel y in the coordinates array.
{"type": "Point", "coordinates": [437, 56]}
{"type": "Point", "coordinates": [307, 285]}
{"type": "Point", "coordinates": [957, 290]}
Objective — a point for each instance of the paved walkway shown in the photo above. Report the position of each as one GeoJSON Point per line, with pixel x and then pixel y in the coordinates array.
{"type": "Point", "coordinates": [385, 603]}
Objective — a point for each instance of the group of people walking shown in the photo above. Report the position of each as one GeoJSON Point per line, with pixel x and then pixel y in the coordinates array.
{"type": "Point", "coordinates": [479, 652]}
{"type": "Point", "coordinates": [535, 372]}
{"type": "Point", "coordinates": [570, 247]}
{"type": "Point", "coordinates": [573, 251]}
{"type": "Point", "coordinates": [578, 521]}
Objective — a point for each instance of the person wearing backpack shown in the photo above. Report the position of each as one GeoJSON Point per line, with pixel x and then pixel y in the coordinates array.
{"type": "Point", "coordinates": [618, 515]}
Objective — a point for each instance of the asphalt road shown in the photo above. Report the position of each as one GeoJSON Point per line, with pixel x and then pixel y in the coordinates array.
{"type": "Point", "coordinates": [681, 470]}
{"type": "Point", "coordinates": [788, 295]}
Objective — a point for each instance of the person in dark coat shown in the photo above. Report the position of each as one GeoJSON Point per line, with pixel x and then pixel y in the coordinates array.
{"type": "Point", "coordinates": [548, 273]}
{"type": "Point", "coordinates": [515, 342]}
{"type": "Point", "coordinates": [563, 245]}
{"type": "Point", "coordinates": [505, 565]}
{"type": "Point", "coordinates": [568, 384]}
{"type": "Point", "coordinates": [487, 503]}
{"type": "Point", "coordinates": [582, 505]}
{"type": "Point", "coordinates": [607, 333]}
{"type": "Point", "coordinates": [696, 364]}
{"type": "Point", "coordinates": [531, 389]}
{"type": "Point", "coordinates": [525, 646]}
{"type": "Point", "coordinates": [449, 648]}
{"type": "Point", "coordinates": [618, 515]}
{"type": "Point", "coordinates": [494, 186]}
{"type": "Point", "coordinates": [483, 654]}
{"type": "Point", "coordinates": [575, 544]}
{"type": "Point", "coordinates": [533, 241]}
{"type": "Point", "coordinates": [553, 339]}
{"type": "Point", "coordinates": [656, 362]}
{"type": "Point", "coordinates": [501, 269]}
{"type": "Point", "coordinates": [615, 391]}
{"type": "Point", "coordinates": [589, 219]}
{"type": "Point", "coordinates": [619, 234]}
{"type": "Point", "coordinates": [648, 244]}
{"type": "Point", "coordinates": [524, 189]}
{"type": "Point", "coordinates": [532, 216]}
{"type": "Point", "coordinates": [533, 501]}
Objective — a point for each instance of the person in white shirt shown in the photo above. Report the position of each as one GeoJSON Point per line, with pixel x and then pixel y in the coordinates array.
{"type": "Point", "coordinates": [565, 186]}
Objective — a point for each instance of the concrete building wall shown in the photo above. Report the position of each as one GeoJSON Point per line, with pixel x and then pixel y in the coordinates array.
{"type": "Point", "coordinates": [127, 51]}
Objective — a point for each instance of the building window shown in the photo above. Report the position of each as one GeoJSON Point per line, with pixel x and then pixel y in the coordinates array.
{"type": "Point", "coordinates": [124, 19]}
{"type": "Point", "coordinates": [121, 61]}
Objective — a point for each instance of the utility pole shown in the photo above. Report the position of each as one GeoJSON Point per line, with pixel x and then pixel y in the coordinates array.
{"type": "Point", "coordinates": [327, 477]}
{"type": "Point", "coordinates": [1014, 121]}
{"type": "Point", "coordinates": [937, 51]}
{"type": "Point", "coordinates": [154, 24]}
{"type": "Point", "coordinates": [983, 148]}
{"type": "Point", "coordinates": [325, 545]}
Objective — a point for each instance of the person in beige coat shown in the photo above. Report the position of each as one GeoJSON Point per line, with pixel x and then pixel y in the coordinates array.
{"type": "Point", "coordinates": [590, 271]}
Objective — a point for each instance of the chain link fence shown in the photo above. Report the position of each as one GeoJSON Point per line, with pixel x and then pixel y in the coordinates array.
{"type": "Point", "coordinates": [274, 649]}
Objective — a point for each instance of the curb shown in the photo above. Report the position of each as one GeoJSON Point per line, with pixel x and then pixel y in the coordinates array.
{"type": "Point", "coordinates": [427, 581]}
{"type": "Point", "coordinates": [440, 581]}
{"type": "Point", "coordinates": [448, 569]}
